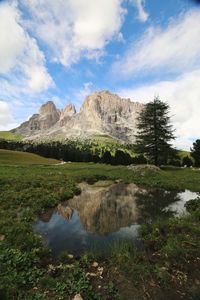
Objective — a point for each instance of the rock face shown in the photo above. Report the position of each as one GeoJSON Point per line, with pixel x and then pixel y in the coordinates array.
{"type": "Point", "coordinates": [47, 117]}
{"type": "Point", "coordinates": [66, 115]}
{"type": "Point", "coordinates": [102, 113]}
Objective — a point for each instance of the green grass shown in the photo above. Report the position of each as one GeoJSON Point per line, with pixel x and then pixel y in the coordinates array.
{"type": "Point", "coordinates": [8, 157]}
{"type": "Point", "coordinates": [169, 266]}
{"type": "Point", "coordinates": [8, 135]}
{"type": "Point", "coordinates": [28, 270]}
{"type": "Point", "coordinates": [169, 178]}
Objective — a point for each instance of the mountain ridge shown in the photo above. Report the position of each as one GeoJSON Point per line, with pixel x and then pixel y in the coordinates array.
{"type": "Point", "coordinates": [102, 113]}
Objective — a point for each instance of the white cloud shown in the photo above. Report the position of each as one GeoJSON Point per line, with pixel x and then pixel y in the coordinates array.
{"type": "Point", "coordinates": [80, 96]}
{"type": "Point", "coordinates": [75, 28]}
{"type": "Point", "coordinates": [20, 54]}
{"type": "Point", "coordinates": [5, 116]}
{"type": "Point", "coordinates": [183, 96]}
{"type": "Point", "coordinates": [11, 45]}
{"type": "Point", "coordinates": [142, 14]}
{"type": "Point", "coordinates": [175, 48]}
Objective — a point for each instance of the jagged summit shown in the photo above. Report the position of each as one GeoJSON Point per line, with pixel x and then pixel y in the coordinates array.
{"type": "Point", "coordinates": [101, 113]}
{"type": "Point", "coordinates": [47, 108]}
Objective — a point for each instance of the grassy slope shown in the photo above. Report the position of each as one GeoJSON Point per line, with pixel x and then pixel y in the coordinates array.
{"type": "Point", "coordinates": [8, 157]}
{"type": "Point", "coordinates": [7, 135]}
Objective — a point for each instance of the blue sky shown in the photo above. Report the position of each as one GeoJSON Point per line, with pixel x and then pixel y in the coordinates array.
{"type": "Point", "coordinates": [63, 50]}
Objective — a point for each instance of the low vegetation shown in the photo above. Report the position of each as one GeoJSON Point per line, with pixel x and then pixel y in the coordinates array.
{"type": "Point", "coordinates": [8, 135]}
{"type": "Point", "coordinates": [166, 268]}
{"type": "Point", "coordinates": [9, 157]}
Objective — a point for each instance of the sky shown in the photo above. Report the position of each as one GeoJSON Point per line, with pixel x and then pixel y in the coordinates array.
{"type": "Point", "coordinates": [64, 50]}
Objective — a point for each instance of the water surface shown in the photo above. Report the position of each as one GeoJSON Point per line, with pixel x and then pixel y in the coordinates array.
{"type": "Point", "coordinates": [104, 213]}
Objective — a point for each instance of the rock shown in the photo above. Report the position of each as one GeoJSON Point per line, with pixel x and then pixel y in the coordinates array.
{"type": "Point", "coordinates": [2, 237]}
{"type": "Point", "coordinates": [100, 270]}
{"type": "Point", "coordinates": [142, 168]}
{"type": "Point", "coordinates": [102, 113]}
{"type": "Point", "coordinates": [68, 112]}
{"type": "Point", "coordinates": [47, 108]}
{"type": "Point", "coordinates": [70, 256]}
{"type": "Point", "coordinates": [95, 264]}
{"type": "Point", "coordinates": [91, 274]}
{"type": "Point", "coordinates": [77, 297]}
{"type": "Point", "coordinates": [47, 117]}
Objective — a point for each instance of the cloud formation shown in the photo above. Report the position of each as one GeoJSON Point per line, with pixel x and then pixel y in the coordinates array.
{"type": "Point", "coordinates": [142, 14]}
{"type": "Point", "coordinates": [174, 49]}
{"type": "Point", "coordinates": [5, 115]}
{"type": "Point", "coordinates": [71, 29]}
{"type": "Point", "coordinates": [20, 54]}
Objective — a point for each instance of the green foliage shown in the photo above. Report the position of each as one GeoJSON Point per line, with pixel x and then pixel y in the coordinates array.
{"type": "Point", "coordinates": [193, 205]}
{"type": "Point", "coordinates": [106, 158]}
{"type": "Point", "coordinates": [187, 161]}
{"type": "Point", "coordinates": [169, 258]}
{"type": "Point", "coordinates": [174, 162]}
{"type": "Point", "coordinates": [122, 158]}
{"type": "Point", "coordinates": [18, 270]}
{"type": "Point", "coordinates": [195, 152]}
{"type": "Point", "coordinates": [155, 132]}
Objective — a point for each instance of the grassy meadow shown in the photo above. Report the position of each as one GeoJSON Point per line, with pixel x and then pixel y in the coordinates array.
{"type": "Point", "coordinates": [167, 267]}
{"type": "Point", "coordinates": [16, 158]}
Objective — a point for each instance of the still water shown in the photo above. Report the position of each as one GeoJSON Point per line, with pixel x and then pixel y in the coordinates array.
{"type": "Point", "coordinates": [104, 213]}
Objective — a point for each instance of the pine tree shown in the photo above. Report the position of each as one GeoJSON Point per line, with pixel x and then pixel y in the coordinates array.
{"type": "Point", "coordinates": [155, 132]}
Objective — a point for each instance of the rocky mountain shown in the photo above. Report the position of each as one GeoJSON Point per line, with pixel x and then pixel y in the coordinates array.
{"type": "Point", "coordinates": [102, 113]}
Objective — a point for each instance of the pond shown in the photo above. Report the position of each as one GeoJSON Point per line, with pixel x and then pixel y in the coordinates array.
{"type": "Point", "coordinates": [104, 213]}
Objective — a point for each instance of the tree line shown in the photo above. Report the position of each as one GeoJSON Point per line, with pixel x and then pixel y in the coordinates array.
{"type": "Point", "coordinates": [74, 152]}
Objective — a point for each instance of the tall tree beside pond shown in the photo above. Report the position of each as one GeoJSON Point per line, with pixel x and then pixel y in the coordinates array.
{"type": "Point", "coordinates": [155, 132]}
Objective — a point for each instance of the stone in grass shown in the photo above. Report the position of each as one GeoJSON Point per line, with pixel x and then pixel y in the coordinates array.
{"type": "Point", "coordinates": [2, 237]}
{"type": "Point", "coordinates": [95, 264]}
{"type": "Point", "coordinates": [141, 168]}
{"type": "Point", "coordinates": [77, 297]}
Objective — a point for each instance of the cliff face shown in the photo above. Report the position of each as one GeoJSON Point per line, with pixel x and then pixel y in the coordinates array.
{"type": "Point", "coordinates": [101, 113]}
{"type": "Point", "coordinates": [47, 117]}
{"type": "Point", "coordinates": [111, 114]}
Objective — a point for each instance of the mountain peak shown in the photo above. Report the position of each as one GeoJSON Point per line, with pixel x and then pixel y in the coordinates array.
{"type": "Point", "coordinates": [69, 109]}
{"type": "Point", "coordinates": [102, 113]}
{"type": "Point", "coordinates": [47, 108]}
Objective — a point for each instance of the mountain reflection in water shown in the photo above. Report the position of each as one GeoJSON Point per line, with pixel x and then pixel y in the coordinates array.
{"type": "Point", "coordinates": [104, 213]}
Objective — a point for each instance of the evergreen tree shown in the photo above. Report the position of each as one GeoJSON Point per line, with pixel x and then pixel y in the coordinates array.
{"type": "Point", "coordinates": [106, 158]}
{"type": "Point", "coordinates": [140, 159]}
{"type": "Point", "coordinates": [187, 161]}
{"type": "Point", "coordinates": [195, 153]}
{"type": "Point", "coordinates": [121, 158]}
{"type": "Point", "coordinates": [155, 132]}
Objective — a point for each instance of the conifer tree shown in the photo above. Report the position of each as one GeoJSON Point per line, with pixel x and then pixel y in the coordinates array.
{"type": "Point", "coordinates": [155, 132]}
